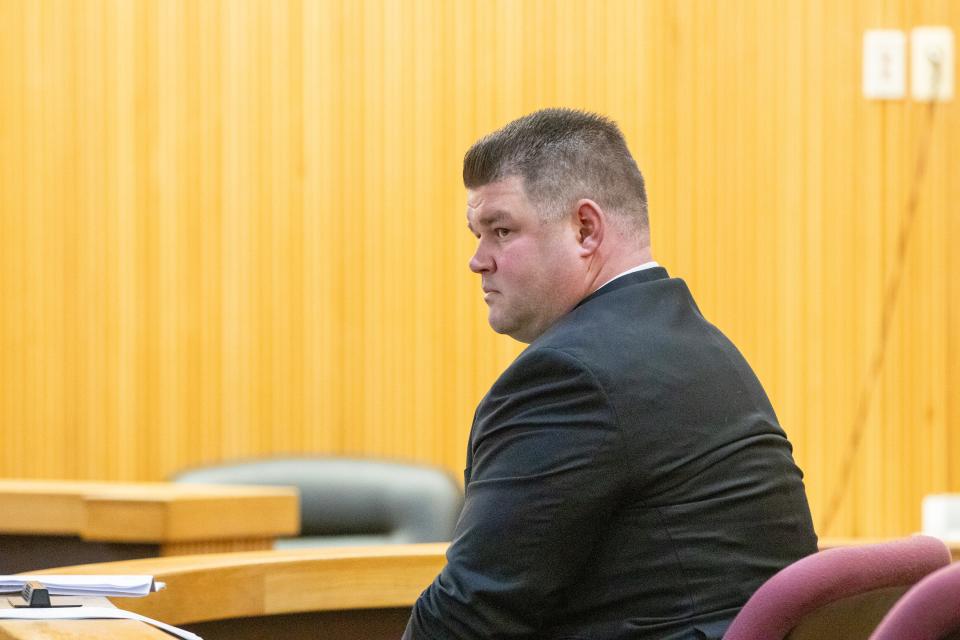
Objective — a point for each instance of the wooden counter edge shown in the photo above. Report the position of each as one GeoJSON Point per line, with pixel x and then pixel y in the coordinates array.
{"type": "Point", "coordinates": [233, 585]}
{"type": "Point", "coordinates": [148, 512]}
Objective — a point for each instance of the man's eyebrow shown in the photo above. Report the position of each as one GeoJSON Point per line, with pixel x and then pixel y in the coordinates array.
{"type": "Point", "coordinates": [492, 218]}
{"type": "Point", "coordinates": [489, 219]}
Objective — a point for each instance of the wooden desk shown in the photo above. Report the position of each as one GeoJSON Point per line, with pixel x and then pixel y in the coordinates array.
{"type": "Point", "coordinates": [363, 593]}
{"type": "Point", "coordinates": [344, 593]}
{"type": "Point", "coordinates": [53, 523]}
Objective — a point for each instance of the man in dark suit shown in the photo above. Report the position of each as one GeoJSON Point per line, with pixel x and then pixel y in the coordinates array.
{"type": "Point", "coordinates": [626, 475]}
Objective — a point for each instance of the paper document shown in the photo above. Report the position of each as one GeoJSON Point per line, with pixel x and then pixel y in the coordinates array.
{"type": "Point", "coordinates": [87, 613]}
{"type": "Point", "coordinates": [57, 585]}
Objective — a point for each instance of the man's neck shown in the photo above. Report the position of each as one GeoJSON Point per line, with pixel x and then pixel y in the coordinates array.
{"type": "Point", "coordinates": [613, 269]}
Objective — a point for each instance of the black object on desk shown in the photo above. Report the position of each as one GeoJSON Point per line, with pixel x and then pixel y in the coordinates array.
{"type": "Point", "coordinates": [37, 596]}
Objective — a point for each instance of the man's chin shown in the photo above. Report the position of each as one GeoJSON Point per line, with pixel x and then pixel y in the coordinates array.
{"type": "Point", "coordinates": [502, 327]}
{"type": "Point", "coordinates": [498, 324]}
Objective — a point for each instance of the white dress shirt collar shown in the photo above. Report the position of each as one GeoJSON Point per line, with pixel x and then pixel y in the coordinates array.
{"type": "Point", "coordinates": [645, 265]}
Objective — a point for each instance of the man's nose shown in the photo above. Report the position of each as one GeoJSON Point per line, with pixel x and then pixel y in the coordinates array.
{"type": "Point", "coordinates": [481, 261]}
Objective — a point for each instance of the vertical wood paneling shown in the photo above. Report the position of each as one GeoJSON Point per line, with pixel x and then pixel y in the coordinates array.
{"type": "Point", "coordinates": [231, 228]}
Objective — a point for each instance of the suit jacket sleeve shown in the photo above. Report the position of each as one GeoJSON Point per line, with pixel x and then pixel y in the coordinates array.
{"type": "Point", "coordinates": [547, 468]}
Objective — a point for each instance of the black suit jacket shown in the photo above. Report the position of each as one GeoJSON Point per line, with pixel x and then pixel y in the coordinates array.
{"type": "Point", "coordinates": [626, 478]}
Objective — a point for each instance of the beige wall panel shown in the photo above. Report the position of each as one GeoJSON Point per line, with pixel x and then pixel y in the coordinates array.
{"type": "Point", "coordinates": [235, 228]}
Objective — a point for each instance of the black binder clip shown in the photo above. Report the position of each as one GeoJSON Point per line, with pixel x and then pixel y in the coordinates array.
{"type": "Point", "coordinates": [37, 596]}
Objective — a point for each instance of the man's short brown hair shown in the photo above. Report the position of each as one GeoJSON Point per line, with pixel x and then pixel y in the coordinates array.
{"type": "Point", "coordinates": [563, 155]}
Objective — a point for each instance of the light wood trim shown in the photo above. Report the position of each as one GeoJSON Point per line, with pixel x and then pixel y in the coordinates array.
{"type": "Point", "coordinates": [80, 629]}
{"type": "Point", "coordinates": [149, 511]}
{"type": "Point", "coordinates": [833, 543]}
{"type": "Point", "coordinates": [215, 546]}
{"type": "Point", "coordinates": [186, 518]}
{"type": "Point", "coordinates": [218, 586]}
{"type": "Point", "coordinates": [41, 512]}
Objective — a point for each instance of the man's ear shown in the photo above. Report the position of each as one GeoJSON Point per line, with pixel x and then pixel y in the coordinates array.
{"type": "Point", "coordinates": [591, 225]}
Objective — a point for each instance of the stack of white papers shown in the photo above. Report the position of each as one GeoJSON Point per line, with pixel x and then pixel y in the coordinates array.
{"type": "Point", "coordinates": [134, 586]}
{"type": "Point", "coordinates": [91, 586]}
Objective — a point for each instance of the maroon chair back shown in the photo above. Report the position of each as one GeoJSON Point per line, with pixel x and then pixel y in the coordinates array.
{"type": "Point", "coordinates": [930, 610]}
{"type": "Point", "coordinates": [816, 581]}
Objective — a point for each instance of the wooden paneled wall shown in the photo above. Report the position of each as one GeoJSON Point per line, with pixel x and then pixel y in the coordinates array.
{"type": "Point", "coordinates": [779, 191]}
{"type": "Point", "coordinates": [231, 228]}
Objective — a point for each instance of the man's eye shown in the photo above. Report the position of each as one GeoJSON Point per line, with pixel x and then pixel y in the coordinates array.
{"type": "Point", "coordinates": [501, 232]}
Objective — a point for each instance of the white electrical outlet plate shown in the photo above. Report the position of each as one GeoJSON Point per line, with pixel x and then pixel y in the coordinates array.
{"type": "Point", "coordinates": [884, 64]}
{"type": "Point", "coordinates": [931, 68]}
